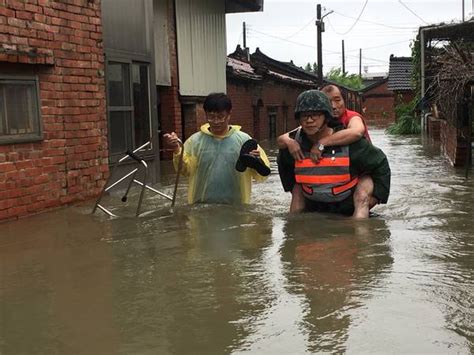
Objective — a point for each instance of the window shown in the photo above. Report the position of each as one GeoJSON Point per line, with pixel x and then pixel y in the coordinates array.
{"type": "Point", "coordinates": [128, 106]}
{"type": "Point", "coordinates": [20, 119]}
{"type": "Point", "coordinates": [272, 121]}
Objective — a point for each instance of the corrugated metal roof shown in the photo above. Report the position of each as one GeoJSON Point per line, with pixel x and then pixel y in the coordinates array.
{"type": "Point", "coordinates": [400, 74]}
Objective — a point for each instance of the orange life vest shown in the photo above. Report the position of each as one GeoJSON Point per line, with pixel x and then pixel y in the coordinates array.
{"type": "Point", "coordinates": [329, 180]}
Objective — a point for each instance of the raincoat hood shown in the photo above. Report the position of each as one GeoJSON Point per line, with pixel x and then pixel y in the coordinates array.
{"type": "Point", "coordinates": [232, 130]}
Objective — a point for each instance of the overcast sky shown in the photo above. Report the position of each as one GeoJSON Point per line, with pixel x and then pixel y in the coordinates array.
{"type": "Point", "coordinates": [286, 30]}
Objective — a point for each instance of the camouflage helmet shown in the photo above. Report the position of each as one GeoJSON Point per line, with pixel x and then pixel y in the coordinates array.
{"type": "Point", "coordinates": [314, 100]}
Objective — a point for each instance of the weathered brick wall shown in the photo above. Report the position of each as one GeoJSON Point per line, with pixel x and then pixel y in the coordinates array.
{"type": "Point", "coordinates": [454, 147]}
{"type": "Point", "coordinates": [379, 104]}
{"type": "Point", "coordinates": [279, 94]}
{"type": "Point", "coordinates": [61, 42]}
{"type": "Point", "coordinates": [242, 95]}
{"type": "Point", "coordinates": [245, 96]}
{"type": "Point", "coordinates": [434, 127]}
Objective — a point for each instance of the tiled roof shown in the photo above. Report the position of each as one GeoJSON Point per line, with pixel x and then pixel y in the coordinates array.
{"type": "Point", "coordinates": [370, 84]}
{"type": "Point", "coordinates": [258, 65]}
{"type": "Point", "coordinates": [290, 78]}
{"type": "Point", "coordinates": [400, 73]}
{"type": "Point", "coordinates": [242, 69]}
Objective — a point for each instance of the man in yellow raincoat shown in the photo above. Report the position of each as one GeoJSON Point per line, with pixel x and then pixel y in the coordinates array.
{"type": "Point", "coordinates": [210, 157]}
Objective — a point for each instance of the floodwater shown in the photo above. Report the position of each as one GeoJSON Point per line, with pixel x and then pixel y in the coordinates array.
{"type": "Point", "coordinates": [218, 279]}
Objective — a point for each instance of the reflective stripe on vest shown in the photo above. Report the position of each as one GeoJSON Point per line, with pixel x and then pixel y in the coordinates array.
{"type": "Point", "coordinates": [329, 180]}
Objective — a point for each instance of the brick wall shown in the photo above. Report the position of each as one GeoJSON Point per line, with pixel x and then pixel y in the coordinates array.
{"type": "Point", "coordinates": [455, 148]}
{"type": "Point", "coordinates": [434, 128]}
{"type": "Point", "coordinates": [250, 96]}
{"type": "Point", "coordinates": [61, 42]}
{"type": "Point", "coordinates": [379, 104]}
{"type": "Point", "coordinates": [279, 94]}
{"type": "Point", "coordinates": [169, 95]}
{"type": "Point", "coordinates": [242, 95]}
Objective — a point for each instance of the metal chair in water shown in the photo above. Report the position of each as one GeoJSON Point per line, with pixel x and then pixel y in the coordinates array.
{"type": "Point", "coordinates": [142, 167]}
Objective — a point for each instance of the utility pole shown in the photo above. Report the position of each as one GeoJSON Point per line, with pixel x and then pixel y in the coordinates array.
{"type": "Point", "coordinates": [360, 62]}
{"type": "Point", "coordinates": [320, 30]}
{"type": "Point", "coordinates": [343, 59]}
{"type": "Point", "coordinates": [245, 35]}
{"type": "Point", "coordinates": [462, 10]}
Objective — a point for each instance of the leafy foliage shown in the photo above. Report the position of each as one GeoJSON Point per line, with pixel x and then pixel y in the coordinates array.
{"type": "Point", "coordinates": [352, 81]}
{"type": "Point", "coordinates": [407, 122]}
{"type": "Point", "coordinates": [406, 115]}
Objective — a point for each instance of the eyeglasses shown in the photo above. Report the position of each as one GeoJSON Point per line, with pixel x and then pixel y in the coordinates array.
{"type": "Point", "coordinates": [216, 117]}
{"type": "Point", "coordinates": [313, 116]}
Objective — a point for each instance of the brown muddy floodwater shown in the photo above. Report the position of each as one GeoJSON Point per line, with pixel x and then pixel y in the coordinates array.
{"type": "Point", "coordinates": [219, 280]}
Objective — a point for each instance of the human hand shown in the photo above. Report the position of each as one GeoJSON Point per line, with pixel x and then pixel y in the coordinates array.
{"type": "Point", "coordinates": [171, 141]}
{"type": "Point", "coordinates": [255, 153]}
{"type": "Point", "coordinates": [295, 149]}
{"type": "Point", "coordinates": [315, 154]}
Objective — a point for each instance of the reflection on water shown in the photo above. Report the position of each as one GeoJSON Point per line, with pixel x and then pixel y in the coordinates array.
{"type": "Point", "coordinates": [219, 279]}
{"type": "Point", "coordinates": [341, 267]}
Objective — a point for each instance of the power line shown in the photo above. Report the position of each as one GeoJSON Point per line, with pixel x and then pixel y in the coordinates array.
{"type": "Point", "coordinates": [283, 39]}
{"type": "Point", "coordinates": [376, 23]}
{"type": "Point", "coordinates": [355, 22]}
{"type": "Point", "coordinates": [326, 51]}
{"type": "Point", "coordinates": [383, 45]}
{"type": "Point", "coordinates": [302, 28]}
{"type": "Point", "coordinates": [413, 12]}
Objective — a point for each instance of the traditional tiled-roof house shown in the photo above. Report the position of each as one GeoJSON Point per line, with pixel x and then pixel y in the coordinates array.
{"type": "Point", "coordinates": [400, 78]}
{"type": "Point", "coordinates": [378, 102]}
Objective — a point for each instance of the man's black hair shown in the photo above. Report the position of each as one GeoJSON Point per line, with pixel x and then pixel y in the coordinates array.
{"type": "Point", "coordinates": [217, 102]}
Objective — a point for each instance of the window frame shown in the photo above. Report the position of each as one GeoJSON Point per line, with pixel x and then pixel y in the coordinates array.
{"type": "Point", "coordinates": [113, 157]}
{"type": "Point", "coordinates": [272, 112]}
{"type": "Point", "coordinates": [25, 137]}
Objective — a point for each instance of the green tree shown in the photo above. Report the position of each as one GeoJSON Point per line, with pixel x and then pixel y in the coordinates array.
{"type": "Point", "coordinates": [352, 81]}
{"type": "Point", "coordinates": [311, 68]}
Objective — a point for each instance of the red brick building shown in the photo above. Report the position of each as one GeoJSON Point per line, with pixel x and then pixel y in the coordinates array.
{"type": "Point", "coordinates": [378, 102]}
{"type": "Point", "coordinates": [453, 128]}
{"type": "Point", "coordinates": [400, 74]}
{"type": "Point", "coordinates": [53, 129]}
{"type": "Point", "coordinates": [264, 92]}
{"type": "Point", "coordinates": [83, 81]}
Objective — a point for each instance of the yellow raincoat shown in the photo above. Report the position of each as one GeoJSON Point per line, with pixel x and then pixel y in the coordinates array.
{"type": "Point", "coordinates": [209, 162]}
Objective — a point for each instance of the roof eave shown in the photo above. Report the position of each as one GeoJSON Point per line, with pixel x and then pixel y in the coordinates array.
{"type": "Point", "coordinates": [234, 6]}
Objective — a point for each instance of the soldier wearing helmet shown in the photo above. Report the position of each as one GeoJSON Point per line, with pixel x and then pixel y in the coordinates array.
{"type": "Point", "coordinates": [329, 182]}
